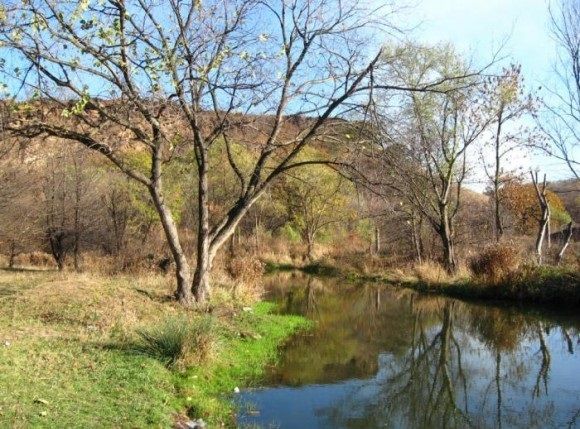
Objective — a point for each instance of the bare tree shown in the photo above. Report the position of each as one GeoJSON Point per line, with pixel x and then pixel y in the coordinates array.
{"type": "Point", "coordinates": [562, 125]}
{"type": "Point", "coordinates": [507, 103]}
{"type": "Point", "coordinates": [425, 154]}
{"type": "Point", "coordinates": [173, 79]}
{"type": "Point", "coordinates": [544, 222]}
{"type": "Point", "coordinates": [114, 75]}
{"type": "Point", "coordinates": [19, 209]}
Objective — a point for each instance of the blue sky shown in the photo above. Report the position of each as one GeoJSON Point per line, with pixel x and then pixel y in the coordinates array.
{"type": "Point", "coordinates": [478, 27]}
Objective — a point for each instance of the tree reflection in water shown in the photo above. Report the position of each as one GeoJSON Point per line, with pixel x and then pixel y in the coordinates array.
{"type": "Point", "coordinates": [403, 359]}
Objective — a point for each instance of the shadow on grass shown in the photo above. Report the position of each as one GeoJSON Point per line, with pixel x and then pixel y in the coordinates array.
{"type": "Point", "coordinates": [28, 270]}
{"type": "Point", "coordinates": [163, 298]}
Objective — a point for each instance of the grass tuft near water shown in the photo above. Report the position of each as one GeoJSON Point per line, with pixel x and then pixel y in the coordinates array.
{"type": "Point", "coordinates": [178, 340]}
{"type": "Point", "coordinates": [82, 351]}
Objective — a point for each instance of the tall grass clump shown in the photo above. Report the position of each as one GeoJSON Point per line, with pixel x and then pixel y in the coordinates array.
{"type": "Point", "coordinates": [431, 272]}
{"type": "Point", "coordinates": [178, 340]}
{"type": "Point", "coordinates": [496, 262]}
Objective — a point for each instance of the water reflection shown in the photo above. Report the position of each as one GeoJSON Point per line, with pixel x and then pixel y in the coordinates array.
{"type": "Point", "coordinates": [382, 357]}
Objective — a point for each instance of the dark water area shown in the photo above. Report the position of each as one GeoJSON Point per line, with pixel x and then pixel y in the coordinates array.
{"type": "Point", "coordinates": [381, 357]}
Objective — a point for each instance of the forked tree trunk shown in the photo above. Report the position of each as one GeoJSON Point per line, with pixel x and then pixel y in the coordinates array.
{"type": "Point", "coordinates": [209, 244]}
{"type": "Point", "coordinates": [58, 246]}
{"type": "Point", "coordinates": [544, 222]}
{"type": "Point", "coordinates": [567, 238]}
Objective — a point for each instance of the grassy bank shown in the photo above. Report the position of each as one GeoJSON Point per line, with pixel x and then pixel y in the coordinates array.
{"type": "Point", "coordinates": [538, 285]}
{"type": "Point", "coordinates": [69, 355]}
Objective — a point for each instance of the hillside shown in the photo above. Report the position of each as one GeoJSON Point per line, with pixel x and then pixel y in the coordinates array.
{"type": "Point", "coordinates": [569, 192]}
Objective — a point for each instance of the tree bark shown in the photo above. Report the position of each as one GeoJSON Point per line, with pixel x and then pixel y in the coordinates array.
{"type": "Point", "coordinates": [567, 238]}
{"type": "Point", "coordinates": [416, 239]}
{"type": "Point", "coordinates": [182, 269]}
{"type": "Point", "coordinates": [309, 248]}
{"type": "Point", "coordinates": [210, 241]}
{"type": "Point", "coordinates": [377, 240]}
{"type": "Point", "coordinates": [200, 286]}
{"type": "Point", "coordinates": [77, 217]}
{"type": "Point", "coordinates": [545, 216]}
{"type": "Point", "coordinates": [12, 254]}
{"type": "Point", "coordinates": [541, 234]}
{"type": "Point", "coordinates": [496, 182]}
{"type": "Point", "coordinates": [257, 233]}
{"type": "Point", "coordinates": [446, 234]}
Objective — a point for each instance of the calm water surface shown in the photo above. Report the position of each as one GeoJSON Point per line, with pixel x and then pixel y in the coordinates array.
{"type": "Point", "coordinates": [382, 357]}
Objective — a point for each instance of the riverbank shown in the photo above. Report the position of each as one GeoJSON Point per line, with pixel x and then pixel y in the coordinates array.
{"type": "Point", "coordinates": [535, 285]}
{"type": "Point", "coordinates": [71, 354]}
{"type": "Point", "coordinates": [530, 284]}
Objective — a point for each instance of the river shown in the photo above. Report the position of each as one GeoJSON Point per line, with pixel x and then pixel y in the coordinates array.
{"type": "Point", "coordinates": [386, 357]}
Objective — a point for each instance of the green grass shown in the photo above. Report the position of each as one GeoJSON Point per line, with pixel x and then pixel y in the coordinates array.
{"type": "Point", "coordinates": [59, 383]}
{"type": "Point", "coordinates": [176, 339]}
{"type": "Point", "coordinates": [247, 344]}
{"type": "Point", "coordinates": [71, 359]}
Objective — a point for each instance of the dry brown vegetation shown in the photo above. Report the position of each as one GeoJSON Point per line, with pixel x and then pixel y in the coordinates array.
{"type": "Point", "coordinates": [496, 262]}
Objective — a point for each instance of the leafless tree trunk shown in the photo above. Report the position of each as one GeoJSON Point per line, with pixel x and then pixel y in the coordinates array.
{"type": "Point", "coordinates": [77, 213]}
{"type": "Point", "coordinates": [257, 232]}
{"type": "Point", "coordinates": [496, 180]}
{"type": "Point", "coordinates": [446, 234]}
{"type": "Point", "coordinates": [377, 241]}
{"type": "Point", "coordinates": [12, 257]}
{"type": "Point", "coordinates": [417, 239]}
{"type": "Point", "coordinates": [118, 214]}
{"type": "Point", "coordinates": [545, 214]}
{"type": "Point", "coordinates": [204, 257]}
{"type": "Point", "coordinates": [182, 268]}
{"type": "Point", "coordinates": [309, 246]}
{"type": "Point", "coordinates": [567, 238]}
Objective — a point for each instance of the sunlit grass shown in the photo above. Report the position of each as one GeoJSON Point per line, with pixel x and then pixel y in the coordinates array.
{"type": "Point", "coordinates": [82, 351]}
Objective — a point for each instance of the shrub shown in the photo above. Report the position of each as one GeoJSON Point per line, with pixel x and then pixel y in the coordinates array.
{"type": "Point", "coordinates": [178, 340]}
{"type": "Point", "coordinates": [496, 261]}
{"type": "Point", "coordinates": [246, 269]}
